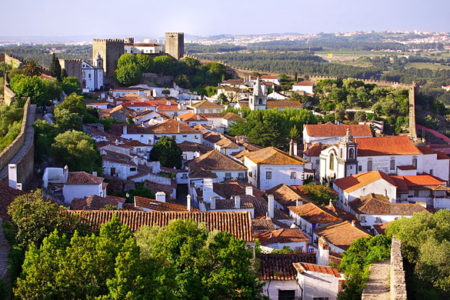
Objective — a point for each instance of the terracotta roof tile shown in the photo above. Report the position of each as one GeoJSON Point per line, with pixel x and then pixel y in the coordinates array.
{"type": "Point", "coordinates": [237, 223]}
{"type": "Point", "coordinates": [215, 161]}
{"type": "Point", "coordinates": [374, 204]}
{"type": "Point", "coordinates": [205, 104]}
{"type": "Point", "coordinates": [280, 266]}
{"type": "Point", "coordinates": [272, 156]}
{"type": "Point", "coordinates": [190, 116]}
{"type": "Point", "coordinates": [386, 145]}
{"type": "Point", "coordinates": [286, 195]}
{"type": "Point", "coordinates": [330, 129]}
{"type": "Point", "coordinates": [341, 234]}
{"type": "Point", "coordinates": [152, 204]}
{"type": "Point", "coordinates": [283, 235]}
{"type": "Point", "coordinates": [262, 224]}
{"type": "Point", "coordinates": [352, 183]}
{"type": "Point", "coordinates": [94, 202]}
{"type": "Point", "coordinates": [172, 126]}
{"type": "Point", "coordinates": [413, 181]}
{"type": "Point", "coordinates": [314, 214]}
{"type": "Point", "coordinates": [83, 178]}
{"type": "Point", "coordinates": [305, 83]}
{"type": "Point", "coordinates": [305, 267]}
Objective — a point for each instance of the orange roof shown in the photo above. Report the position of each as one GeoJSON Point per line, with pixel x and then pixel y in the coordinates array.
{"type": "Point", "coordinates": [341, 234]}
{"type": "Point", "coordinates": [190, 116]}
{"type": "Point", "coordinates": [374, 204]}
{"type": "Point", "coordinates": [207, 104]}
{"type": "Point", "coordinates": [330, 129]}
{"type": "Point", "coordinates": [357, 181]}
{"type": "Point", "coordinates": [304, 83]}
{"type": "Point", "coordinates": [142, 202]}
{"type": "Point", "coordinates": [238, 224]}
{"type": "Point", "coordinates": [172, 126]}
{"type": "Point", "coordinates": [386, 145]}
{"type": "Point", "coordinates": [283, 235]}
{"type": "Point", "coordinates": [272, 156]}
{"type": "Point", "coordinates": [314, 214]}
{"type": "Point", "coordinates": [314, 150]}
{"type": "Point", "coordinates": [168, 107]}
{"type": "Point", "coordinates": [419, 180]}
{"type": "Point", "coordinates": [304, 267]}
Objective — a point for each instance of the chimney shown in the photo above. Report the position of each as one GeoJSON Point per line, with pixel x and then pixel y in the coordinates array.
{"type": "Point", "coordinates": [207, 188]}
{"type": "Point", "coordinates": [353, 223]}
{"type": "Point", "coordinates": [422, 203]}
{"type": "Point", "coordinates": [179, 128]}
{"type": "Point", "coordinates": [125, 129]}
{"type": "Point", "coordinates": [297, 202]}
{"type": "Point", "coordinates": [160, 197]}
{"type": "Point", "coordinates": [291, 147]}
{"type": "Point", "coordinates": [331, 203]}
{"type": "Point", "coordinates": [66, 173]}
{"type": "Point", "coordinates": [271, 206]}
{"type": "Point", "coordinates": [134, 200]}
{"type": "Point", "coordinates": [249, 190]}
{"type": "Point", "coordinates": [12, 176]}
{"type": "Point", "coordinates": [323, 255]}
{"type": "Point", "coordinates": [237, 201]}
{"type": "Point", "coordinates": [295, 148]}
{"type": "Point", "coordinates": [198, 117]}
{"type": "Point", "coordinates": [188, 202]}
{"type": "Point", "coordinates": [94, 173]}
{"type": "Point", "coordinates": [212, 203]}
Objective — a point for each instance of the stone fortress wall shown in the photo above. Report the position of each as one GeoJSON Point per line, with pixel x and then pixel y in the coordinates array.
{"type": "Point", "coordinates": [21, 151]}
{"type": "Point", "coordinates": [72, 67]}
{"type": "Point", "coordinates": [174, 44]}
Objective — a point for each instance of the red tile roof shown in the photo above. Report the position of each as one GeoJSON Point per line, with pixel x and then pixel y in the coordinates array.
{"type": "Point", "coordinates": [283, 235]}
{"type": "Point", "coordinates": [314, 214]}
{"type": "Point", "coordinates": [273, 156]}
{"type": "Point", "coordinates": [283, 104]}
{"type": "Point", "coordinates": [204, 104]}
{"type": "Point", "coordinates": [287, 195]}
{"type": "Point", "coordinates": [341, 234]}
{"type": "Point", "coordinates": [95, 202]}
{"type": "Point", "coordinates": [280, 266]}
{"type": "Point", "coordinates": [172, 126]}
{"type": "Point", "coordinates": [305, 267]}
{"type": "Point", "coordinates": [83, 178]}
{"type": "Point", "coordinates": [352, 183]}
{"type": "Point", "coordinates": [412, 181]}
{"type": "Point", "coordinates": [237, 223]}
{"type": "Point", "coordinates": [374, 204]}
{"type": "Point", "coordinates": [386, 145]}
{"type": "Point", "coordinates": [215, 161]}
{"type": "Point", "coordinates": [330, 129]}
{"type": "Point", "coordinates": [152, 204]}
{"type": "Point", "coordinates": [305, 83]}
{"type": "Point", "coordinates": [190, 116]}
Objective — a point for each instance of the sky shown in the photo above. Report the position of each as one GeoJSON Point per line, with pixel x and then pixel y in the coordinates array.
{"type": "Point", "coordinates": [120, 18]}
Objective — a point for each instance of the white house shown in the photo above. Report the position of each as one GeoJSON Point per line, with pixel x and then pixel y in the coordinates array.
{"type": "Point", "coordinates": [318, 282]}
{"type": "Point", "coordinates": [283, 237]}
{"type": "Point", "coordinates": [142, 48]}
{"type": "Point", "coordinates": [192, 119]}
{"type": "Point", "coordinates": [214, 164]}
{"type": "Point", "coordinates": [277, 96]}
{"type": "Point", "coordinates": [279, 275]}
{"type": "Point", "coordinates": [304, 86]}
{"type": "Point", "coordinates": [67, 186]}
{"type": "Point", "coordinates": [375, 209]}
{"type": "Point", "coordinates": [340, 236]}
{"type": "Point", "coordinates": [269, 167]}
{"type": "Point", "coordinates": [206, 106]}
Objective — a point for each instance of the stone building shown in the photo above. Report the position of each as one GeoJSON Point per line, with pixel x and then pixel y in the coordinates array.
{"type": "Point", "coordinates": [175, 44]}
{"type": "Point", "coordinates": [110, 51]}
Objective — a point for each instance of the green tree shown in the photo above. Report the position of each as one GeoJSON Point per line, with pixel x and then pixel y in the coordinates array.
{"type": "Point", "coordinates": [65, 120]}
{"type": "Point", "coordinates": [33, 87]}
{"type": "Point", "coordinates": [294, 134]}
{"type": "Point", "coordinates": [145, 62]}
{"type": "Point", "coordinates": [204, 265]}
{"type": "Point", "coordinates": [77, 150]}
{"type": "Point", "coordinates": [163, 64]}
{"type": "Point", "coordinates": [55, 67]}
{"type": "Point", "coordinates": [71, 85]}
{"type": "Point", "coordinates": [128, 74]}
{"type": "Point", "coordinates": [74, 104]}
{"type": "Point", "coordinates": [35, 218]}
{"type": "Point", "coordinates": [167, 152]}
{"type": "Point", "coordinates": [32, 68]}
{"type": "Point", "coordinates": [425, 238]}
{"type": "Point", "coordinates": [127, 59]}
{"type": "Point", "coordinates": [44, 136]}
{"type": "Point", "coordinates": [360, 116]}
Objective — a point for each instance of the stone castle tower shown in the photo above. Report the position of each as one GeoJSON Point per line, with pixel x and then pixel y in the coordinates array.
{"type": "Point", "coordinates": [174, 44]}
{"type": "Point", "coordinates": [110, 51]}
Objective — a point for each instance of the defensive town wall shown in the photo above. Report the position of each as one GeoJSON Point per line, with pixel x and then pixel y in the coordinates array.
{"type": "Point", "coordinates": [21, 151]}
{"type": "Point", "coordinates": [11, 60]}
{"type": "Point", "coordinates": [8, 94]}
{"type": "Point", "coordinates": [110, 51]}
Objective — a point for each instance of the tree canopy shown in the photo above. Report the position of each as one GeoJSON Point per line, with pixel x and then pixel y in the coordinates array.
{"type": "Point", "coordinates": [167, 152]}
{"type": "Point", "coordinates": [71, 85]}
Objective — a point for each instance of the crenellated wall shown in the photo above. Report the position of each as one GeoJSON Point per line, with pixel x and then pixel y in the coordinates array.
{"type": "Point", "coordinates": [397, 273]}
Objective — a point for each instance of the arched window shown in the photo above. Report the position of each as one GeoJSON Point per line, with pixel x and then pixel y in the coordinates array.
{"type": "Point", "coordinates": [260, 101]}
{"type": "Point", "coordinates": [340, 153]}
{"type": "Point", "coordinates": [351, 153]}
{"type": "Point", "coordinates": [331, 161]}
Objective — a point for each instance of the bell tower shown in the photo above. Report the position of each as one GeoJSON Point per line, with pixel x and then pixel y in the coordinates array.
{"type": "Point", "coordinates": [347, 156]}
{"type": "Point", "coordinates": [258, 100]}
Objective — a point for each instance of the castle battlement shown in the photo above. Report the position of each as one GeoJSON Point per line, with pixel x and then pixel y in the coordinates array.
{"type": "Point", "coordinates": [109, 40]}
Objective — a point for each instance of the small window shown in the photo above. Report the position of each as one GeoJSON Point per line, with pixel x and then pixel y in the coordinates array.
{"type": "Point", "coordinates": [340, 153]}
{"type": "Point", "coordinates": [269, 175]}
{"type": "Point", "coordinates": [250, 174]}
{"type": "Point", "coordinates": [377, 220]}
{"type": "Point", "coordinates": [184, 135]}
{"type": "Point", "coordinates": [392, 166]}
{"type": "Point", "coordinates": [359, 168]}
{"type": "Point", "coordinates": [414, 162]}
{"type": "Point", "coordinates": [351, 154]}
{"type": "Point", "coordinates": [332, 161]}
{"type": "Point", "coordinates": [363, 219]}
{"type": "Point", "coordinates": [431, 171]}
{"type": "Point", "coordinates": [293, 175]}
{"type": "Point", "coordinates": [132, 169]}
{"type": "Point", "coordinates": [241, 175]}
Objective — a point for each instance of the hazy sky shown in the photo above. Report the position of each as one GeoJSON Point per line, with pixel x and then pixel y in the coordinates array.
{"type": "Point", "coordinates": [151, 18]}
